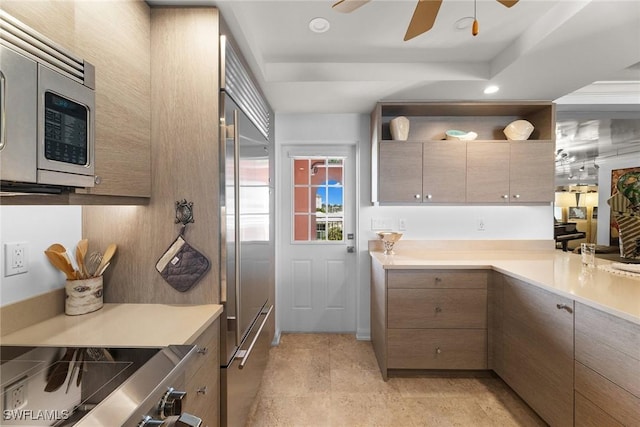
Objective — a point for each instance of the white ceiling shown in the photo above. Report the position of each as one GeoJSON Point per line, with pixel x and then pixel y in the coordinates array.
{"type": "Point", "coordinates": [536, 50]}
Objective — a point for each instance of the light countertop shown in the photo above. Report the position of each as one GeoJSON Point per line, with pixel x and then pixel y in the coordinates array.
{"type": "Point", "coordinates": [121, 325]}
{"type": "Point", "coordinates": [553, 270]}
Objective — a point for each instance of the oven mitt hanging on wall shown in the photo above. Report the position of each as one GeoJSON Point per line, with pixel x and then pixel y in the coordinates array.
{"type": "Point", "coordinates": [182, 266]}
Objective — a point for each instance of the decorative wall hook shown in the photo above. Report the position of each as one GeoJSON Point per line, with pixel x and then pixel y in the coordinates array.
{"type": "Point", "coordinates": [184, 212]}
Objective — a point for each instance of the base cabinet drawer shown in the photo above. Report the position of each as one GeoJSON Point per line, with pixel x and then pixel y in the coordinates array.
{"type": "Point", "coordinates": [437, 308]}
{"type": "Point", "coordinates": [621, 405]}
{"type": "Point", "coordinates": [437, 348]}
{"type": "Point", "coordinates": [590, 415]}
{"type": "Point", "coordinates": [446, 279]}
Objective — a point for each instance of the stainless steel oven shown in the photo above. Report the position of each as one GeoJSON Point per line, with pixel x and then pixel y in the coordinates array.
{"type": "Point", "coordinates": [47, 112]}
{"type": "Point", "coordinates": [95, 387]}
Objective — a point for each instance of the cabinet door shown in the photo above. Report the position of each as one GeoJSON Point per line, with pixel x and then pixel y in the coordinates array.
{"type": "Point", "coordinates": [400, 177]}
{"type": "Point", "coordinates": [488, 172]}
{"type": "Point", "coordinates": [444, 171]}
{"type": "Point", "coordinates": [532, 172]}
{"type": "Point", "coordinates": [537, 349]}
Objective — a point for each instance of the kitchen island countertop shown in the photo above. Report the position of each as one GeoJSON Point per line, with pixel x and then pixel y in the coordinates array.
{"type": "Point", "coordinates": [121, 325]}
{"type": "Point", "coordinates": [553, 270]}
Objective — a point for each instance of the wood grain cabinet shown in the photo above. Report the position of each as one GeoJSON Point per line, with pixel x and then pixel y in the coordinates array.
{"type": "Point", "coordinates": [531, 346]}
{"type": "Point", "coordinates": [489, 169]}
{"type": "Point", "coordinates": [203, 378]}
{"type": "Point", "coordinates": [430, 172]}
{"type": "Point", "coordinates": [607, 369]}
{"type": "Point", "coordinates": [429, 319]}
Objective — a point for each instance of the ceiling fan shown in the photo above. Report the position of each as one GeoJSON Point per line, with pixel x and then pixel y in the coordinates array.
{"type": "Point", "coordinates": [423, 17]}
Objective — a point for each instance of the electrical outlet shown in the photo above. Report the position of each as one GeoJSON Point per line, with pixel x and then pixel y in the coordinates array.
{"type": "Point", "coordinates": [402, 224]}
{"type": "Point", "coordinates": [481, 225]}
{"type": "Point", "coordinates": [15, 395]}
{"type": "Point", "coordinates": [16, 258]}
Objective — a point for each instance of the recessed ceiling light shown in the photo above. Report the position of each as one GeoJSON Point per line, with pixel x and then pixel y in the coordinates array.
{"type": "Point", "coordinates": [319, 25]}
{"type": "Point", "coordinates": [491, 89]}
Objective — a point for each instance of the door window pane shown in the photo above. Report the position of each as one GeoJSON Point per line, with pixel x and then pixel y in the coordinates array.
{"type": "Point", "coordinates": [318, 197]}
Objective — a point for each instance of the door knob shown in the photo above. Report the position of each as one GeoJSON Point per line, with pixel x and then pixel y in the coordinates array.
{"type": "Point", "coordinates": [351, 249]}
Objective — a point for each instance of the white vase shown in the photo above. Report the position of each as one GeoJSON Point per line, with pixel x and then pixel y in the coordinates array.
{"type": "Point", "coordinates": [399, 128]}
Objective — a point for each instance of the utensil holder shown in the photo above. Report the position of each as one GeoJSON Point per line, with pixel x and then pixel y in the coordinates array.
{"type": "Point", "coordinates": [83, 296]}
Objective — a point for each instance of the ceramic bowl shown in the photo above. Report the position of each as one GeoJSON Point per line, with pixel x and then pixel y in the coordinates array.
{"type": "Point", "coordinates": [460, 135]}
{"type": "Point", "coordinates": [518, 130]}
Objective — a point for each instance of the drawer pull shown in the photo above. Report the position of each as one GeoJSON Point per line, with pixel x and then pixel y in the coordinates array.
{"type": "Point", "coordinates": [202, 350]}
{"type": "Point", "coordinates": [438, 310]}
{"type": "Point", "coordinates": [438, 280]}
{"type": "Point", "coordinates": [564, 307]}
{"type": "Point", "coordinates": [438, 351]}
{"type": "Point", "coordinates": [202, 390]}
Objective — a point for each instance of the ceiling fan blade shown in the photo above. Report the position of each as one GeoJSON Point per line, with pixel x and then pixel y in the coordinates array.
{"type": "Point", "coordinates": [508, 3]}
{"type": "Point", "coordinates": [423, 18]}
{"type": "Point", "coordinates": [348, 6]}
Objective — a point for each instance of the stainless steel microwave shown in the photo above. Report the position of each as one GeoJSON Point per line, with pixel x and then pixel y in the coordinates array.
{"type": "Point", "coordinates": [47, 113]}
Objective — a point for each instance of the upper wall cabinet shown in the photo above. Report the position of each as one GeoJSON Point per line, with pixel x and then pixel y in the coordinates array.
{"type": "Point", "coordinates": [426, 168]}
{"type": "Point", "coordinates": [115, 38]}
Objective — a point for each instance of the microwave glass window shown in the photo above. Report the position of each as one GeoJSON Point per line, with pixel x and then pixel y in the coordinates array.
{"type": "Point", "coordinates": [66, 131]}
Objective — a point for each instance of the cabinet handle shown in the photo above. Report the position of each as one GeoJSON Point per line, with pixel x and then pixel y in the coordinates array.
{"type": "Point", "coordinates": [202, 390]}
{"type": "Point", "coordinates": [516, 196]}
{"type": "Point", "coordinates": [202, 350]}
{"type": "Point", "coordinates": [438, 310]}
{"type": "Point", "coordinates": [505, 196]}
{"type": "Point", "coordinates": [438, 279]}
{"type": "Point", "coordinates": [417, 196]}
{"type": "Point", "coordinates": [564, 307]}
{"type": "Point", "coordinates": [438, 351]}
{"type": "Point", "coordinates": [428, 196]}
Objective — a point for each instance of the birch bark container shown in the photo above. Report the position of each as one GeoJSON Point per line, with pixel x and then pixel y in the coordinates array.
{"type": "Point", "coordinates": [83, 296]}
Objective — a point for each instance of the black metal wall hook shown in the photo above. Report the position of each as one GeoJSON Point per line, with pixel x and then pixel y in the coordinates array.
{"type": "Point", "coordinates": [184, 212]}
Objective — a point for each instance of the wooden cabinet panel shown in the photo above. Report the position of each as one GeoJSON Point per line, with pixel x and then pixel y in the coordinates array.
{"type": "Point", "coordinates": [379, 316]}
{"type": "Point", "coordinates": [443, 279]}
{"type": "Point", "coordinates": [589, 415]}
{"type": "Point", "coordinates": [609, 345]}
{"type": "Point", "coordinates": [203, 395]}
{"type": "Point", "coordinates": [437, 349]}
{"type": "Point", "coordinates": [532, 172]}
{"type": "Point", "coordinates": [537, 351]}
{"type": "Point", "coordinates": [488, 172]}
{"type": "Point", "coordinates": [203, 378]}
{"type": "Point", "coordinates": [444, 167]}
{"type": "Point", "coordinates": [400, 178]}
{"type": "Point", "coordinates": [614, 400]}
{"type": "Point", "coordinates": [437, 308]}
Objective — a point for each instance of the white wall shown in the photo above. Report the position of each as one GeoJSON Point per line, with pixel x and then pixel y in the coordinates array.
{"type": "Point", "coordinates": [604, 190]}
{"type": "Point", "coordinates": [39, 226]}
{"type": "Point", "coordinates": [422, 222]}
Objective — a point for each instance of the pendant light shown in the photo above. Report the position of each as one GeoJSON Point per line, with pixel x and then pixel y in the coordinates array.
{"type": "Point", "coordinates": [474, 28]}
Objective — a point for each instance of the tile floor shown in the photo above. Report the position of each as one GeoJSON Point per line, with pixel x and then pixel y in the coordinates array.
{"type": "Point", "coordinates": [333, 380]}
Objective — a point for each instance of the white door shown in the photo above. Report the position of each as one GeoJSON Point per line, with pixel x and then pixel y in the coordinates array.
{"type": "Point", "coordinates": [317, 285]}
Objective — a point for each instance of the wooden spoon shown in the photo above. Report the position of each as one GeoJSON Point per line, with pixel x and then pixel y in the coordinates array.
{"type": "Point", "coordinates": [81, 252]}
{"type": "Point", "coordinates": [57, 247]}
{"type": "Point", "coordinates": [59, 373]}
{"type": "Point", "coordinates": [61, 264]}
{"type": "Point", "coordinates": [111, 249]}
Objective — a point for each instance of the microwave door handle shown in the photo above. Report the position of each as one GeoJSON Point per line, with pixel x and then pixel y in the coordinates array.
{"type": "Point", "coordinates": [236, 219]}
{"type": "Point", "coordinates": [3, 118]}
{"type": "Point", "coordinates": [244, 355]}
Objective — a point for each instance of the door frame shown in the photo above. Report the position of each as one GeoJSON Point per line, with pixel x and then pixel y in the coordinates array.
{"type": "Point", "coordinates": [281, 221]}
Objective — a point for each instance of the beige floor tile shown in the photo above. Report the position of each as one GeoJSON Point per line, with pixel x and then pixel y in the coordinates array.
{"type": "Point", "coordinates": [333, 380]}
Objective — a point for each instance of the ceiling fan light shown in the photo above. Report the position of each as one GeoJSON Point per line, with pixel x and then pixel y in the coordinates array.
{"type": "Point", "coordinates": [491, 89]}
{"type": "Point", "coordinates": [319, 25]}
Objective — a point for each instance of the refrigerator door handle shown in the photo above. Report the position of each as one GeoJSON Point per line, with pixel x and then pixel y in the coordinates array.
{"type": "Point", "coordinates": [244, 354]}
{"type": "Point", "coordinates": [236, 202]}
